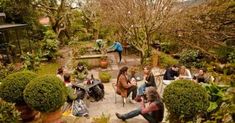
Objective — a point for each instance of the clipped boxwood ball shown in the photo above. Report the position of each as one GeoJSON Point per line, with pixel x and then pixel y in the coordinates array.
{"type": "Point", "coordinates": [185, 98]}
{"type": "Point", "coordinates": [45, 94]}
{"type": "Point", "coordinates": [12, 87]}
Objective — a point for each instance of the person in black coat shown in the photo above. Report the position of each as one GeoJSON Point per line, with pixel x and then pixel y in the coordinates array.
{"type": "Point", "coordinates": [171, 73]}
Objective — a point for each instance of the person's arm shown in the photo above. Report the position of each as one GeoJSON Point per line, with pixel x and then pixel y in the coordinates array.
{"type": "Point", "coordinates": [123, 81]}
{"type": "Point", "coordinates": [151, 80]}
{"type": "Point", "coordinates": [152, 107]}
{"type": "Point", "coordinates": [189, 75]}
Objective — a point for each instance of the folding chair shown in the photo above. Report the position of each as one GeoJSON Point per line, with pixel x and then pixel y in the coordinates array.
{"type": "Point", "coordinates": [115, 94]}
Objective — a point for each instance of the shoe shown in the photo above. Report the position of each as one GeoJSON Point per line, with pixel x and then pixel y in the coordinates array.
{"type": "Point", "coordinates": [119, 116]}
{"type": "Point", "coordinates": [133, 101]}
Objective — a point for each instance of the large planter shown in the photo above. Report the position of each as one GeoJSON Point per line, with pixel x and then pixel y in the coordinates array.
{"type": "Point", "coordinates": [52, 117]}
{"type": "Point", "coordinates": [27, 114]}
{"type": "Point", "coordinates": [103, 64]}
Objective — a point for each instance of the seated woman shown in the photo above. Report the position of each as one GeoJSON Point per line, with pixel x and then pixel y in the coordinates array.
{"type": "Point", "coordinates": [184, 73]}
{"type": "Point", "coordinates": [171, 73]}
{"type": "Point", "coordinates": [124, 87]}
{"type": "Point", "coordinates": [200, 77]}
{"type": "Point", "coordinates": [149, 80]}
{"type": "Point", "coordinates": [153, 112]}
{"type": "Point", "coordinates": [81, 72]}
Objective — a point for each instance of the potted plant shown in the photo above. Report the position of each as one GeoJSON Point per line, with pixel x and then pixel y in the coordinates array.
{"type": "Point", "coordinates": [46, 94]}
{"type": "Point", "coordinates": [11, 90]}
{"type": "Point", "coordinates": [9, 114]}
{"type": "Point", "coordinates": [104, 62]}
{"type": "Point", "coordinates": [104, 76]}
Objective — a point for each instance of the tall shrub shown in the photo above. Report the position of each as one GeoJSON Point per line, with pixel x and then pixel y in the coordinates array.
{"type": "Point", "coordinates": [12, 87]}
{"type": "Point", "coordinates": [184, 100]}
{"type": "Point", "coordinates": [45, 94]}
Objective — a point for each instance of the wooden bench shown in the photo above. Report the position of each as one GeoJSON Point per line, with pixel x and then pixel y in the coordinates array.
{"type": "Point", "coordinates": [92, 56]}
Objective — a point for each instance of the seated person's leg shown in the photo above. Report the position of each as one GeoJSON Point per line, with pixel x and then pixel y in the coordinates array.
{"type": "Point", "coordinates": [141, 89]}
{"type": "Point", "coordinates": [129, 115]}
{"type": "Point", "coordinates": [133, 89]}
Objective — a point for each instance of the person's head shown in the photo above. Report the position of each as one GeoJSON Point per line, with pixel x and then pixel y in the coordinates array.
{"type": "Point", "coordinates": [147, 69]}
{"type": "Point", "coordinates": [175, 67]}
{"type": "Point", "coordinates": [60, 70]}
{"type": "Point", "coordinates": [182, 70]}
{"type": "Point", "coordinates": [152, 94]}
{"type": "Point", "coordinates": [67, 77]}
{"type": "Point", "coordinates": [123, 70]}
{"type": "Point", "coordinates": [201, 72]}
{"type": "Point", "coordinates": [80, 66]}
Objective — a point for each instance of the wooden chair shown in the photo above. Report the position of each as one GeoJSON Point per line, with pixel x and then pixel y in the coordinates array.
{"type": "Point", "coordinates": [115, 94]}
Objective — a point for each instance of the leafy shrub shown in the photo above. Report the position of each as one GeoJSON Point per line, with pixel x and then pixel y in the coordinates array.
{"type": "Point", "coordinates": [45, 94]}
{"type": "Point", "coordinates": [185, 99]}
{"type": "Point", "coordinates": [225, 54]}
{"type": "Point", "coordinates": [13, 86]}
{"type": "Point", "coordinates": [191, 58]}
{"type": "Point", "coordinates": [166, 60]}
{"type": "Point", "coordinates": [8, 113]}
{"type": "Point", "coordinates": [6, 70]}
{"type": "Point", "coordinates": [168, 47]}
{"type": "Point", "coordinates": [31, 61]}
{"type": "Point", "coordinates": [102, 119]}
{"type": "Point", "coordinates": [50, 45]}
{"type": "Point", "coordinates": [104, 76]}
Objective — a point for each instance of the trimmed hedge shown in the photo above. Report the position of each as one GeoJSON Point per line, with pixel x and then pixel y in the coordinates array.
{"type": "Point", "coordinates": [45, 94]}
{"type": "Point", "coordinates": [12, 87]}
{"type": "Point", "coordinates": [184, 99]}
{"type": "Point", "coordinates": [105, 76]}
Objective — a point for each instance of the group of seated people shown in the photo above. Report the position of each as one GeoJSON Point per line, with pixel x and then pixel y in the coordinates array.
{"type": "Point", "coordinates": [175, 72]}
{"type": "Point", "coordinates": [147, 92]}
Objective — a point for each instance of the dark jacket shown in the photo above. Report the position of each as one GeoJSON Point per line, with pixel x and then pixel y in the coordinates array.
{"type": "Point", "coordinates": [151, 81]}
{"type": "Point", "coordinates": [169, 74]}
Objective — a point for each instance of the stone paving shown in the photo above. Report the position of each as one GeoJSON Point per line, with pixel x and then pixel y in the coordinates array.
{"type": "Point", "coordinates": [108, 106]}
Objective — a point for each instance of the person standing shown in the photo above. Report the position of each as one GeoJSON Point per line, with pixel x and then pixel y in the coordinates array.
{"type": "Point", "coordinates": [117, 46]}
{"type": "Point", "coordinates": [153, 112]}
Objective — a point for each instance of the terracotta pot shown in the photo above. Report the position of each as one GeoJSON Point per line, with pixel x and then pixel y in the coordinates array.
{"type": "Point", "coordinates": [27, 114]}
{"type": "Point", "coordinates": [104, 64]}
{"type": "Point", "coordinates": [52, 117]}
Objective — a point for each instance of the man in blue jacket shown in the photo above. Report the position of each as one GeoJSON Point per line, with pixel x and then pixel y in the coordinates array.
{"type": "Point", "coordinates": [118, 48]}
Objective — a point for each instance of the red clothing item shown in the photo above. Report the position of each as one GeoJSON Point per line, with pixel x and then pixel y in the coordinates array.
{"type": "Point", "coordinates": [155, 109]}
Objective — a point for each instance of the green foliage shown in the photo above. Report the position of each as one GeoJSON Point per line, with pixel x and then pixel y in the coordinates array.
{"type": "Point", "coordinates": [8, 113]}
{"type": "Point", "coordinates": [166, 60]}
{"type": "Point", "coordinates": [104, 76]}
{"type": "Point", "coordinates": [48, 68]}
{"type": "Point", "coordinates": [222, 104]}
{"type": "Point", "coordinates": [168, 47]}
{"type": "Point", "coordinates": [225, 54]}
{"type": "Point", "coordinates": [45, 94]}
{"type": "Point", "coordinates": [50, 45]}
{"type": "Point", "coordinates": [184, 100]}
{"type": "Point", "coordinates": [13, 86]}
{"type": "Point", "coordinates": [190, 58]}
{"type": "Point", "coordinates": [102, 119]}
{"type": "Point", "coordinates": [86, 64]}
{"type": "Point", "coordinates": [6, 70]}
{"type": "Point", "coordinates": [31, 61]}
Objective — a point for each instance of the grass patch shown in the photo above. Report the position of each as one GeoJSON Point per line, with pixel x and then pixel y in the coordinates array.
{"type": "Point", "coordinates": [48, 68]}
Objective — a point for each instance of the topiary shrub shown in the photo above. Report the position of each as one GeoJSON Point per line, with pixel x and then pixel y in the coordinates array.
{"type": "Point", "coordinates": [185, 99]}
{"type": "Point", "coordinates": [104, 76]}
{"type": "Point", "coordinates": [12, 87]}
{"type": "Point", "coordinates": [45, 94]}
{"type": "Point", "coordinates": [8, 113]}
